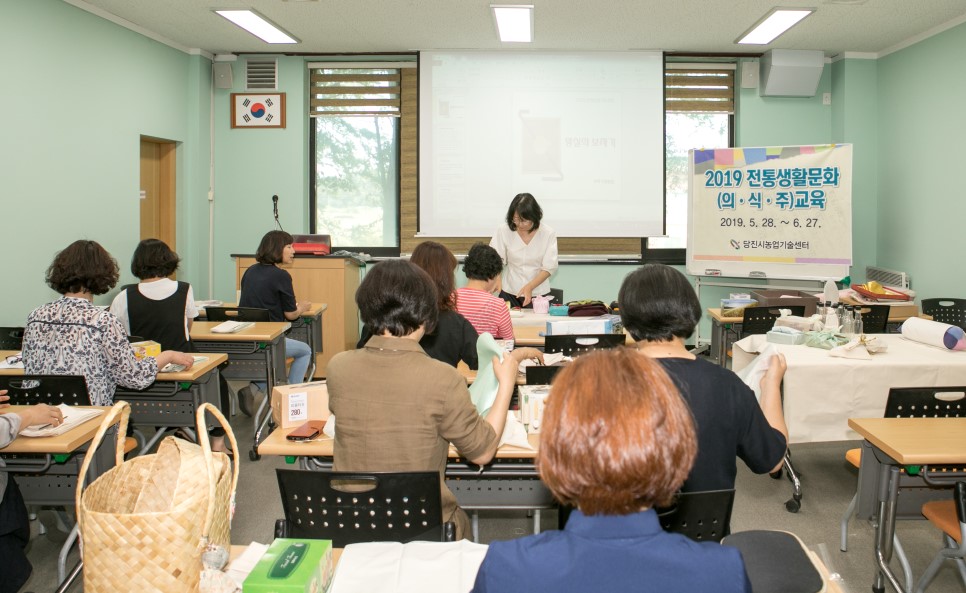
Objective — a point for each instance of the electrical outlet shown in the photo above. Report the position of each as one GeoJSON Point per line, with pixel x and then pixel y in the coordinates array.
{"type": "Point", "coordinates": [826, 98]}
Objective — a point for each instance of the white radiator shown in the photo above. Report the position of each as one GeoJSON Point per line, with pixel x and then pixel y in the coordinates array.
{"type": "Point", "coordinates": [887, 277]}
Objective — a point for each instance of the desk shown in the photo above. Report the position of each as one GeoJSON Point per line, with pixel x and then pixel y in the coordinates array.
{"type": "Point", "coordinates": [726, 330]}
{"type": "Point", "coordinates": [897, 442]}
{"type": "Point", "coordinates": [821, 392]}
{"type": "Point", "coordinates": [510, 481]}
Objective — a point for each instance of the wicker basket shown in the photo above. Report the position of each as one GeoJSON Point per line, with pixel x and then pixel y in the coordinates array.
{"type": "Point", "coordinates": [145, 522]}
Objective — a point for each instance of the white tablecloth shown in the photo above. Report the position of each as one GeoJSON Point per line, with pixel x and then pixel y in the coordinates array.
{"type": "Point", "coordinates": [822, 392]}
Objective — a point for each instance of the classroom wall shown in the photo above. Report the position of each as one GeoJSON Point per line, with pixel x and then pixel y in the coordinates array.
{"type": "Point", "coordinates": [80, 92]}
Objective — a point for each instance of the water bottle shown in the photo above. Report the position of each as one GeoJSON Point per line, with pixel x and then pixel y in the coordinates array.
{"type": "Point", "coordinates": [857, 325]}
{"type": "Point", "coordinates": [848, 326]}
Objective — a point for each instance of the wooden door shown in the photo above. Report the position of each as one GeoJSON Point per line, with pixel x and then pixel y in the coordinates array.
{"type": "Point", "coordinates": [158, 190]}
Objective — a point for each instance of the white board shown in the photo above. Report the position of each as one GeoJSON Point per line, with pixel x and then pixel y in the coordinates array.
{"type": "Point", "coordinates": [771, 212]}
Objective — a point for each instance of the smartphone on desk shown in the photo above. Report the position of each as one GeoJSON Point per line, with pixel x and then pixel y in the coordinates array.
{"type": "Point", "coordinates": [307, 431]}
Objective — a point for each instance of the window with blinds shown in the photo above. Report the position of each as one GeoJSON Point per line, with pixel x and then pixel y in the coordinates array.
{"type": "Point", "coordinates": [341, 91]}
{"type": "Point", "coordinates": [699, 90]}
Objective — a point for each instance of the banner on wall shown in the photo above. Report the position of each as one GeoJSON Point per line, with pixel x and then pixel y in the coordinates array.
{"type": "Point", "coordinates": [771, 212]}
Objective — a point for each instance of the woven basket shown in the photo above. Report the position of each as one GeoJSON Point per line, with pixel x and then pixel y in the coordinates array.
{"type": "Point", "coordinates": [145, 522]}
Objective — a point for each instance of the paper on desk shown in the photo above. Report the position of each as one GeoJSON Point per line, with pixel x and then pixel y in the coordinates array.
{"type": "Point", "coordinates": [240, 567]}
{"type": "Point", "coordinates": [73, 416]}
{"type": "Point", "coordinates": [416, 567]}
{"type": "Point", "coordinates": [14, 361]}
{"type": "Point", "coordinates": [514, 433]}
{"type": "Point", "coordinates": [549, 358]}
{"type": "Point", "coordinates": [177, 368]}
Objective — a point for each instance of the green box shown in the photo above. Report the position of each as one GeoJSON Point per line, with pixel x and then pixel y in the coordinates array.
{"type": "Point", "coordinates": [293, 566]}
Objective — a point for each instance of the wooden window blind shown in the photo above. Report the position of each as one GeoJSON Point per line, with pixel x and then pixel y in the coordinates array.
{"type": "Point", "coordinates": [699, 89]}
{"type": "Point", "coordinates": [341, 91]}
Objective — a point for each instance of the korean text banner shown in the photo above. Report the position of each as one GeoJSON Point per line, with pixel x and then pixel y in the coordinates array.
{"type": "Point", "coordinates": [771, 212]}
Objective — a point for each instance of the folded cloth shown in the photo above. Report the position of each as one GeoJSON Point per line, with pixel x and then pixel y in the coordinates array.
{"type": "Point", "coordinates": [752, 374]}
{"type": "Point", "coordinates": [484, 387]}
{"type": "Point", "coordinates": [514, 433]}
{"type": "Point", "coordinates": [933, 333]}
{"type": "Point", "coordinates": [855, 349]}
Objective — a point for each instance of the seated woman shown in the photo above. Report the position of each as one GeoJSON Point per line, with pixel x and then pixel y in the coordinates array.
{"type": "Point", "coordinates": [660, 310]}
{"type": "Point", "coordinates": [476, 301]}
{"type": "Point", "coordinates": [267, 286]}
{"type": "Point", "coordinates": [71, 336]}
{"type": "Point", "coordinates": [617, 441]}
{"type": "Point", "coordinates": [14, 525]}
{"type": "Point", "coordinates": [396, 408]}
{"type": "Point", "coordinates": [157, 308]}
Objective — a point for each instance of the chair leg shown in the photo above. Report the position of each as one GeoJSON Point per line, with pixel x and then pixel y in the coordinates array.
{"type": "Point", "coordinates": [930, 573]}
{"type": "Point", "coordinates": [845, 521]}
{"type": "Point", "coordinates": [793, 504]}
{"type": "Point", "coordinates": [903, 560]}
{"type": "Point", "coordinates": [259, 427]}
{"type": "Point", "coordinates": [475, 520]}
{"type": "Point", "coordinates": [536, 521]}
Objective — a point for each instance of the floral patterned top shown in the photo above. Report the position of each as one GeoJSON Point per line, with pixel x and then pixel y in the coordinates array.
{"type": "Point", "coordinates": [71, 336]}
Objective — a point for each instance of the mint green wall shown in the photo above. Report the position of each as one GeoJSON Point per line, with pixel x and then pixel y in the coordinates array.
{"type": "Point", "coordinates": [80, 92]}
{"type": "Point", "coordinates": [921, 99]}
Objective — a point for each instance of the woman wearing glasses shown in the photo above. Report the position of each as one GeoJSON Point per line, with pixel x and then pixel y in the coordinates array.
{"type": "Point", "coordinates": [529, 250]}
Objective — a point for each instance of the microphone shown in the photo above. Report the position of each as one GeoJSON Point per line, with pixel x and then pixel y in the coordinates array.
{"type": "Point", "coordinates": [275, 211]}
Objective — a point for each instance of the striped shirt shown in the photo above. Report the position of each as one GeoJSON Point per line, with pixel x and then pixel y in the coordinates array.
{"type": "Point", "coordinates": [486, 312]}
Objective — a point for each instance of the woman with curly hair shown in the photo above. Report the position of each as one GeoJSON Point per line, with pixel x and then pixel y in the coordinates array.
{"type": "Point", "coordinates": [476, 301]}
{"type": "Point", "coordinates": [71, 336]}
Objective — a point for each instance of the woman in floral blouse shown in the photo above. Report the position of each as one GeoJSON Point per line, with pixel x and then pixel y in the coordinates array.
{"type": "Point", "coordinates": [71, 336]}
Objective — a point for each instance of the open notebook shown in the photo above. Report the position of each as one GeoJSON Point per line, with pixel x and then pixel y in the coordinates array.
{"type": "Point", "coordinates": [230, 327]}
{"type": "Point", "coordinates": [73, 416]}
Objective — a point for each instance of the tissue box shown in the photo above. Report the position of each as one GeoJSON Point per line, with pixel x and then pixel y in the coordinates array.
{"type": "Point", "coordinates": [294, 404]}
{"type": "Point", "coordinates": [786, 298]}
{"type": "Point", "coordinates": [532, 400]}
{"type": "Point", "coordinates": [293, 565]}
{"type": "Point", "coordinates": [783, 338]}
{"type": "Point", "coordinates": [584, 325]}
{"type": "Point", "coordinates": [146, 348]}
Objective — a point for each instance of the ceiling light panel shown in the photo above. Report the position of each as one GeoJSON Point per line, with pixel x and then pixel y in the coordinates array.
{"type": "Point", "coordinates": [514, 23]}
{"type": "Point", "coordinates": [773, 24]}
{"type": "Point", "coordinates": [257, 25]}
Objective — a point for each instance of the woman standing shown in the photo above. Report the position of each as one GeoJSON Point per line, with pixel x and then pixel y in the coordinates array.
{"type": "Point", "coordinates": [529, 250]}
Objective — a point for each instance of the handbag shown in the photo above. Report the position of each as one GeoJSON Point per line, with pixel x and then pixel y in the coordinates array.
{"type": "Point", "coordinates": [588, 308]}
{"type": "Point", "coordinates": [145, 523]}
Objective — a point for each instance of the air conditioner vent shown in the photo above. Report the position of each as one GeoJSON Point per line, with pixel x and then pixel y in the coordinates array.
{"type": "Point", "coordinates": [262, 75]}
{"type": "Point", "coordinates": [887, 277]}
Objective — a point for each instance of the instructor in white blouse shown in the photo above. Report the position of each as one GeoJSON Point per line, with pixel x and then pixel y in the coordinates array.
{"type": "Point", "coordinates": [528, 249]}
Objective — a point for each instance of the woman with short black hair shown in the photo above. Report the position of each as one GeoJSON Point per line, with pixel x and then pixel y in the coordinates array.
{"type": "Point", "coordinates": [476, 301]}
{"type": "Point", "coordinates": [529, 250]}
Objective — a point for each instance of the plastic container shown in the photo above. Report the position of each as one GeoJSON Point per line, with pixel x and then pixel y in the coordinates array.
{"type": "Point", "coordinates": [560, 310]}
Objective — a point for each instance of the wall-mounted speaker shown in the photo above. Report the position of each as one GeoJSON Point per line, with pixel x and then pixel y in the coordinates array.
{"type": "Point", "coordinates": [791, 73]}
{"type": "Point", "coordinates": [222, 73]}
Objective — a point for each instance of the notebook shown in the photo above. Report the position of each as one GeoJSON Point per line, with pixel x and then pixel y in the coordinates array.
{"type": "Point", "coordinates": [73, 416]}
{"type": "Point", "coordinates": [230, 327]}
{"type": "Point", "coordinates": [177, 368]}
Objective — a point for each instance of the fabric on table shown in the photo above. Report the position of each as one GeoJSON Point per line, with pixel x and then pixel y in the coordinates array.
{"type": "Point", "coordinates": [934, 333]}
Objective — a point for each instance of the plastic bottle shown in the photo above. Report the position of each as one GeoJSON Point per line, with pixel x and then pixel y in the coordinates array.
{"type": "Point", "coordinates": [848, 323]}
{"type": "Point", "coordinates": [839, 316]}
{"type": "Point", "coordinates": [831, 292]}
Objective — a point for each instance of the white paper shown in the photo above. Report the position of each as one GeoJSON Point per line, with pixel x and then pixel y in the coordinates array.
{"type": "Point", "coordinates": [298, 406]}
{"type": "Point", "coordinates": [242, 566]}
{"type": "Point", "coordinates": [73, 417]}
{"type": "Point", "coordinates": [416, 567]}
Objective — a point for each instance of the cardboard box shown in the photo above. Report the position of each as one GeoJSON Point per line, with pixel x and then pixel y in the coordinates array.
{"type": "Point", "coordinates": [581, 325]}
{"type": "Point", "coordinates": [146, 348]}
{"type": "Point", "coordinates": [293, 566]}
{"type": "Point", "coordinates": [294, 404]}
{"type": "Point", "coordinates": [787, 298]}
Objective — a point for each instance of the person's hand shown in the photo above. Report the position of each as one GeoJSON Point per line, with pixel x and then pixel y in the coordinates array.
{"type": "Point", "coordinates": [185, 360]}
{"type": "Point", "coordinates": [776, 370]}
{"type": "Point", "coordinates": [4, 399]}
{"type": "Point", "coordinates": [526, 293]}
{"type": "Point", "coordinates": [40, 414]}
{"type": "Point", "coordinates": [506, 371]}
{"type": "Point", "coordinates": [522, 354]}
{"type": "Point", "coordinates": [304, 307]}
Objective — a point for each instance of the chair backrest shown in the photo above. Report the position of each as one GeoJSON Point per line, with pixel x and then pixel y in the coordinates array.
{"type": "Point", "coordinates": [943, 310]}
{"type": "Point", "coordinates": [542, 374]}
{"type": "Point", "coordinates": [354, 507]}
{"type": "Point", "coordinates": [11, 338]}
{"type": "Point", "coordinates": [760, 320]}
{"type": "Point", "coordinates": [575, 344]}
{"type": "Point", "coordinates": [875, 318]}
{"type": "Point", "coordinates": [237, 314]}
{"type": "Point", "coordinates": [702, 516]}
{"type": "Point", "coordinates": [926, 402]}
{"type": "Point", "coordinates": [26, 390]}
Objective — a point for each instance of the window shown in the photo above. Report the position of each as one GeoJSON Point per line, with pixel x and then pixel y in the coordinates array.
{"type": "Point", "coordinates": [355, 146]}
{"type": "Point", "coordinates": [699, 112]}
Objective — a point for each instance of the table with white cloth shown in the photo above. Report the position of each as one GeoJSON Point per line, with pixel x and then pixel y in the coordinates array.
{"type": "Point", "coordinates": [821, 392]}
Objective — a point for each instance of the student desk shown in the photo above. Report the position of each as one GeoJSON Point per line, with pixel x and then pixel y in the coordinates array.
{"type": "Point", "coordinates": [46, 468]}
{"type": "Point", "coordinates": [510, 481]}
{"type": "Point", "coordinates": [308, 329]}
{"type": "Point", "coordinates": [726, 330]}
{"type": "Point", "coordinates": [897, 442]}
{"type": "Point", "coordinates": [528, 328]}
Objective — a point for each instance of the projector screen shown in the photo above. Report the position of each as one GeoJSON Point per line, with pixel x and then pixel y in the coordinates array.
{"type": "Point", "coordinates": [582, 132]}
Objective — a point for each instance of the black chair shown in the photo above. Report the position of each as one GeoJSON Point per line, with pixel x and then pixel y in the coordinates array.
{"type": "Point", "coordinates": [237, 314]}
{"type": "Point", "coordinates": [26, 390]}
{"type": "Point", "coordinates": [951, 311]}
{"type": "Point", "coordinates": [576, 344]}
{"type": "Point", "coordinates": [875, 318]}
{"type": "Point", "coordinates": [702, 516]}
{"type": "Point", "coordinates": [776, 562]}
{"type": "Point", "coordinates": [355, 507]}
{"type": "Point", "coordinates": [11, 338]}
{"type": "Point", "coordinates": [557, 294]}
{"type": "Point", "coordinates": [760, 320]}
{"type": "Point", "coordinates": [542, 374]}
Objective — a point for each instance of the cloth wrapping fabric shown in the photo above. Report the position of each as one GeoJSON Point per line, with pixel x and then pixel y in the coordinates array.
{"type": "Point", "coordinates": [484, 388]}
{"type": "Point", "coordinates": [933, 333]}
{"type": "Point", "coordinates": [825, 339]}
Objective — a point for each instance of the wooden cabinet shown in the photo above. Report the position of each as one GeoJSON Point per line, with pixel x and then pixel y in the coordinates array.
{"type": "Point", "coordinates": [329, 280]}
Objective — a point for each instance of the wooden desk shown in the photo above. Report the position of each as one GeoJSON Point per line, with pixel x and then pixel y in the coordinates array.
{"type": "Point", "coordinates": [55, 445]}
{"type": "Point", "coordinates": [897, 442]}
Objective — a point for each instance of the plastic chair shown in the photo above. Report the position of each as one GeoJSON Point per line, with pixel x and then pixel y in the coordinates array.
{"type": "Point", "coordinates": [11, 338]}
{"type": "Point", "coordinates": [905, 402]}
{"type": "Point", "coordinates": [354, 507]}
{"type": "Point", "coordinates": [949, 516]}
{"type": "Point", "coordinates": [875, 318]}
{"type": "Point", "coordinates": [26, 390]}
{"type": "Point", "coordinates": [702, 516]}
{"type": "Point", "coordinates": [943, 310]}
{"type": "Point", "coordinates": [237, 314]}
{"type": "Point", "coordinates": [760, 320]}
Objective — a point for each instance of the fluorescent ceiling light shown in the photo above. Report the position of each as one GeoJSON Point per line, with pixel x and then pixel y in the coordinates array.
{"type": "Point", "coordinates": [514, 23]}
{"type": "Point", "coordinates": [773, 24]}
{"type": "Point", "coordinates": [257, 26]}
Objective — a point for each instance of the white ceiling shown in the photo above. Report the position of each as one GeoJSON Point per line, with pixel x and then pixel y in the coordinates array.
{"type": "Point", "coordinates": [350, 26]}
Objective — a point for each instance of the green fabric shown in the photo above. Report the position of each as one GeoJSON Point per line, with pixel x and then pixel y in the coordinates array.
{"type": "Point", "coordinates": [825, 339]}
{"type": "Point", "coordinates": [484, 388]}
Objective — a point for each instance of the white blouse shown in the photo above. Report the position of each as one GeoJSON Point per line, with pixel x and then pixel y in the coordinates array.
{"type": "Point", "coordinates": [524, 260]}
